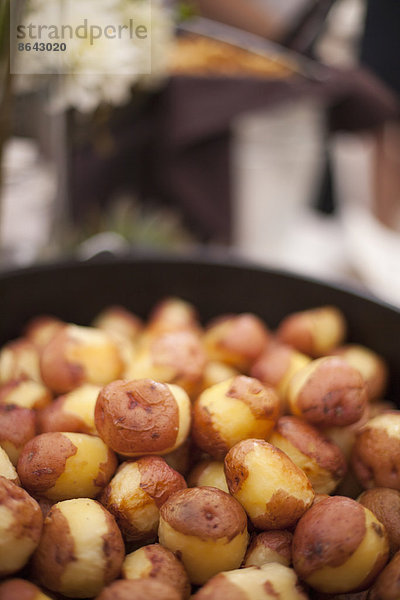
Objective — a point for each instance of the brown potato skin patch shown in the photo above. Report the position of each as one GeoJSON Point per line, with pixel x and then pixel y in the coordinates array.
{"type": "Point", "coordinates": [168, 568]}
{"type": "Point", "coordinates": [272, 365]}
{"type": "Point", "coordinates": [28, 516]}
{"type": "Point", "coordinates": [236, 476]}
{"type": "Point", "coordinates": [43, 460]}
{"type": "Point", "coordinates": [58, 373]}
{"type": "Point", "coordinates": [158, 479]}
{"type": "Point", "coordinates": [183, 351]}
{"type": "Point", "coordinates": [296, 330]}
{"type": "Point", "coordinates": [113, 548]}
{"type": "Point", "coordinates": [18, 589]}
{"type": "Point", "coordinates": [51, 557]}
{"type": "Point", "coordinates": [387, 584]}
{"type": "Point", "coordinates": [277, 517]}
{"type": "Point", "coordinates": [385, 504]}
{"type": "Point", "coordinates": [137, 416]}
{"type": "Point", "coordinates": [219, 587]}
{"type": "Point", "coordinates": [318, 543]}
{"type": "Point", "coordinates": [310, 442]}
{"type": "Point", "coordinates": [376, 458]}
{"type": "Point", "coordinates": [139, 589]}
{"type": "Point", "coordinates": [53, 418]}
{"type": "Point", "coordinates": [263, 402]}
{"type": "Point", "coordinates": [204, 433]}
{"type": "Point", "coordinates": [17, 424]}
{"type": "Point", "coordinates": [334, 394]}
{"type": "Point", "coordinates": [279, 541]}
{"type": "Point", "coordinates": [106, 470]}
{"type": "Point", "coordinates": [206, 512]}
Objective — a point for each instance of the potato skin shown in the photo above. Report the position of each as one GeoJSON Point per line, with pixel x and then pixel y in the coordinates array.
{"type": "Point", "coordinates": [17, 427]}
{"type": "Point", "coordinates": [328, 536]}
{"type": "Point", "coordinates": [371, 366]}
{"type": "Point", "coordinates": [137, 417]}
{"type": "Point", "coordinates": [139, 589]}
{"type": "Point", "coordinates": [387, 584]}
{"type": "Point", "coordinates": [269, 546]}
{"type": "Point", "coordinates": [62, 466]}
{"type": "Point", "coordinates": [19, 359]}
{"type": "Point", "coordinates": [21, 589]}
{"type": "Point", "coordinates": [81, 535]}
{"type": "Point", "coordinates": [385, 504]}
{"type": "Point", "coordinates": [375, 457]}
{"type": "Point", "coordinates": [159, 564]}
{"type": "Point", "coordinates": [71, 412]}
{"type": "Point", "coordinates": [20, 527]}
{"type": "Point", "coordinates": [244, 401]}
{"type": "Point", "coordinates": [246, 465]}
{"type": "Point", "coordinates": [327, 392]}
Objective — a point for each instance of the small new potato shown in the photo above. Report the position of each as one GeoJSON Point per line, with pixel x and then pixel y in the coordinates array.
{"type": "Point", "coordinates": [41, 329]}
{"type": "Point", "coordinates": [387, 585]}
{"type": "Point", "coordinates": [328, 391]}
{"type": "Point", "coordinates": [139, 589]}
{"type": "Point", "coordinates": [385, 504]}
{"type": "Point", "coordinates": [209, 473]}
{"type": "Point", "coordinates": [78, 355]}
{"type": "Point", "coordinates": [237, 340]}
{"type": "Point", "coordinates": [174, 357]}
{"type": "Point", "coordinates": [60, 466]}
{"type": "Point", "coordinates": [376, 453]}
{"type": "Point", "coordinates": [277, 365]}
{"type": "Point", "coordinates": [172, 314]}
{"type": "Point", "coordinates": [7, 469]}
{"type": "Point", "coordinates": [21, 589]}
{"type": "Point", "coordinates": [314, 332]}
{"type": "Point", "coordinates": [270, 547]}
{"type": "Point", "coordinates": [71, 412]}
{"type": "Point", "coordinates": [339, 546]}
{"type": "Point", "coordinates": [17, 427]}
{"type": "Point", "coordinates": [159, 564]}
{"type": "Point", "coordinates": [232, 411]}
{"type": "Point", "coordinates": [215, 372]}
{"type": "Point", "coordinates": [141, 417]}
{"type": "Point", "coordinates": [136, 493]}
{"type": "Point", "coordinates": [120, 322]}
{"type": "Point", "coordinates": [81, 549]}
{"type": "Point", "coordinates": [270, 582]}
{"type": "Point", "coordinates": [19, 359]}
{"type": "Point", "coordinates": [25, 393]}
{"type": "Point", "coordinates": [372, 367]}
{"type": "Point", "coordinates": [21, 524]}
{"type": "Point", "coordinates": [321, 460]}
{"type": "Point", "coordinates": [273, 490]}
{"type": "Point", "coordinates": [207, 528]}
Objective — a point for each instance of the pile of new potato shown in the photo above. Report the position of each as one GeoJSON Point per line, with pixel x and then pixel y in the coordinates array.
{"type": "Point", "coordinates": [159, 460]}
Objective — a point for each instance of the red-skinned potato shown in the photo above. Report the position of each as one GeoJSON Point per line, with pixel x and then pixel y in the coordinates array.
{"type": "Point", "coordinates": [40, 330]}
{"type": "Point", "coordinates": [139, 589]}
{"type": "Point", "coordinates": [274, 491]}
{"type": "Point", "coordinates": [19, 359]}
{"type": "Point", "coordinates": [136, 493]}
{"type": "Point", "coordinates": [71, 412]}
{"type": "Point", "coordinates": [7, 469]}
{"type": "Point", "coordinates": [159, 564]}
{"type": "Point", "coordinates": [385, 504]}
{"type": "Point", "coordinates": [78, 355]}
{"type": "Point", "coordinates": [172, 314]}
{"type": "Point", "coordinates": [209, 473]}
{"type": "Point", "coordinates": [277, 365]}
{"type": "Point", "coordinates": [269, 547]}
{"type": "Point", "coordinates": [20, 527]}
{"type": "Point", "coordinates": [339, 546]}
{"type": "Point", "coordinates": [387, 585]}
{"type": "Point", "coordinates": [141, 417]}
{"type": "Point", "coordinates": [61, 466]}
{"type": "Point", "coordinates": [207, 527]}
{"type": "Point", "coordinates": [270, 582]}
{"type": "Point", "coordinates": [17, 427]}
{"type": "Point", "coordinates": [322, 461]}
{"type": "Point", "coordinates": [237, 340]}
{"type": "Point", "coordinates": [328, 392]}
{"type": "Point", "coordinates": [314, 332]}
{"type": "Point", "coordinates": [25, 393]}
{"type": "Point", "coordinates": [232, 411]}
{"type": "Point", "coordinates": [119, 321]}
{"type": "Point", "coordinates": [21, 589]}
{"type": "Point", "coordinates": [371, 366]}
{"type": "Point", "coordinates": [376, 453]}
{"type": "Point", "coordinates": [81, 549]}
{"type": "Point", "coordinates": [174, 357]}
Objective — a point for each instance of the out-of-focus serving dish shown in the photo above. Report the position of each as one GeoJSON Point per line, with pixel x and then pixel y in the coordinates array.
{"type": "Point", "coordinates": [77, 291]}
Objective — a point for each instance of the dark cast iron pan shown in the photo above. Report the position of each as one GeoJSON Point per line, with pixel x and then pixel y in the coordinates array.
{"type": "Point", "coordinates": [77, 291]}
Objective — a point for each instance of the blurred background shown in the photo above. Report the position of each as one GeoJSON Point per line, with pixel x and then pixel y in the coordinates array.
{"type": "Point", "coordinates": [266, 130]}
